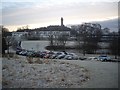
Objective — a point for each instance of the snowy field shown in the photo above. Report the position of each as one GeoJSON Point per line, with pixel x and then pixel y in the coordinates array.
{"type": "Point", "coordinates": [18, 73]}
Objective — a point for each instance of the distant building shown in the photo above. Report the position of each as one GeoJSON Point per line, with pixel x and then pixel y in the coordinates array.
{"type": "Point", "coordinates": [19, 35]}
{"type": "Point", "coordinates": [43, 32]}
{"type": "Point", "coordinates": [55, 30]}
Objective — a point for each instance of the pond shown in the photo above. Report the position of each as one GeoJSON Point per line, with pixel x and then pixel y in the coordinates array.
{"type": "Point", "coordinates": [35, 45]}
{"type": "Point", "coordinates": [40, 46]}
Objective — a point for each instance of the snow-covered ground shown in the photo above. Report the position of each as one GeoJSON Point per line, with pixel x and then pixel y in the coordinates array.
{"type": "Point", "coordinates": [102, 74]}
{"type": "Point", "coordinates": [18, 73]}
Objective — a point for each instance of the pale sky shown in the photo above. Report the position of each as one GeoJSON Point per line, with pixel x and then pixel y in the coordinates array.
{"type": "Point", "coordinates": [40, 13]}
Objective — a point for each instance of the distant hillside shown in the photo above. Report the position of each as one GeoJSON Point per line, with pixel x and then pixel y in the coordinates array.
{"type": "Point", "coordinates": [112, 24]}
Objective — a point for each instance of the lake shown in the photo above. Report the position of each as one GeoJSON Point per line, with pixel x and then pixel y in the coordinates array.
{"type": "Point", "coordinates": [39, 45]}
{"type": "Point", "coordinates": [34, 45]}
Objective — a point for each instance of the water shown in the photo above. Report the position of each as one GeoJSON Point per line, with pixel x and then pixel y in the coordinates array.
{"type": "Point", "coordinates": [35, 45]}
{"type": "Point", "coordinates": [40, 46]}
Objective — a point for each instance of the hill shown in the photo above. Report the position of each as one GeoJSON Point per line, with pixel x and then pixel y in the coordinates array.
{"type": "Point", "coordinates": [112, 24]}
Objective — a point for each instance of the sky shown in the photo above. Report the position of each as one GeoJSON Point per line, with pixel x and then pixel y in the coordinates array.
{"type": "Point", "coordinates": [42, 13]}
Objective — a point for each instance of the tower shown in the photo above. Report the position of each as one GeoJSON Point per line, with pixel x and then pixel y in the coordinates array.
{"type": "Point", "coordinates": [62, 21]}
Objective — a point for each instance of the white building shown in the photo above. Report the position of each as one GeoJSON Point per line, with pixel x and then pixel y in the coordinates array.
{"type": "Point", "coordinates": [47, 33]}
{"type": "Point", "coordinates": [18, 35]}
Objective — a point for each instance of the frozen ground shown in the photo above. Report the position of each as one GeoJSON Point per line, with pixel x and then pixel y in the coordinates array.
{"type": "Point", "coordinates": [59, 73]}
{"type": "Point", "coordinates": [17, 73]}
{"type": "Point", "coordinates": [102, 74]}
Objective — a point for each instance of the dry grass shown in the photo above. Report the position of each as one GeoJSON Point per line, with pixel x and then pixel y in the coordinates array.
{"type": "Point", "coordinates": [29, 59]}
{"type": "Point", "coordinates": [38, 61]}
{"type": "Point", "coordinates": [10, 56]}
{"type": "Point", "coordinates": [46, 61]}
{"type": "Point", "coordinates": [47, 74]}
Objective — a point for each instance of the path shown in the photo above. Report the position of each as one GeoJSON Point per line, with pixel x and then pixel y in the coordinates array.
{"type": "Point", "coordinates": [103, 74]}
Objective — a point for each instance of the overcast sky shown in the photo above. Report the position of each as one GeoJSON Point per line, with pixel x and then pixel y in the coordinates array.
{"type": "Point", "coordinates": [39, 13]}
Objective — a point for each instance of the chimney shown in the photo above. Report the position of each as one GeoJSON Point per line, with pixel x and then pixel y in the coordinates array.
{"type": "Point", "coordinates": [62, 21]}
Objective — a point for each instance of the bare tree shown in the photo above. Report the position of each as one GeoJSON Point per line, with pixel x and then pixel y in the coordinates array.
{"type": "Point", "coordinates": [90, 34]}
{"type": "Point", "coordinates": [51, 40]}
{"type": "Point", "coordinates": [114, 44]}
{"type": "Point", "coordinates": [62, 39]}
{"type": "Point", "coordinates": [5, 32]}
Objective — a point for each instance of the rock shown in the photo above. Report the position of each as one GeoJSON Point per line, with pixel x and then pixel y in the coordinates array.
{"type": "Point", "coordinates": [62, 79]}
